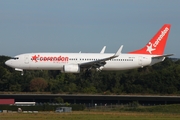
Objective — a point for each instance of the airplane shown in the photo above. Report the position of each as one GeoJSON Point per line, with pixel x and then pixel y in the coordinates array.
{"type": "Point", "coordinates": [150, 54]}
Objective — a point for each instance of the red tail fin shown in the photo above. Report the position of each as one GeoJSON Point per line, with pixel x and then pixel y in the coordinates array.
{"type": "Point", "coordinates": [157, 44]}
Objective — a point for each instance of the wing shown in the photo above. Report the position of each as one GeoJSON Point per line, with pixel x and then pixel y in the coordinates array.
{"type": "Point", "coordinates": [100, 62]}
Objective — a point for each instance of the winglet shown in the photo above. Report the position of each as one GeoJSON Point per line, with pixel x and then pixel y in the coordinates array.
{"type": "Point", "coordinates": [102, 51]}
{"type": "Point", "coordinates": [118, 52]}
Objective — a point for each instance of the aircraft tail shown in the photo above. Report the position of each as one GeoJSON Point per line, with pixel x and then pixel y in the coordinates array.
{"type": "Point", "coordinates": [157, 44]}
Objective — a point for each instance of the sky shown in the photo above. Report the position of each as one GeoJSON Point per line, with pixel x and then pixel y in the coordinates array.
{"type": "Point", "coordinates": [29, 26]}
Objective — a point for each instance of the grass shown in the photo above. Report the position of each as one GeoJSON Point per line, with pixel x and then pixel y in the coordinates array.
{"type": "Point", "coordinates": [174, 108]}
{"type": "Point", "coordinates": [155, 109]}
{"type": "Point", "coordinates": [92, 115]}
{"type": "Point", "coordinates": [160, 112]}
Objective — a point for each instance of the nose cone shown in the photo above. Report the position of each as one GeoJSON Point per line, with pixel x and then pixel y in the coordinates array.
{"type": "Point", "coordinates": [8, 62]}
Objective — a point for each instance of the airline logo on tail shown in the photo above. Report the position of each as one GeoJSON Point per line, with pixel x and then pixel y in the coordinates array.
{"type": "Point", "coordinates": [149, 48]}
{"type": "Point", "coordinates": [155, 44]}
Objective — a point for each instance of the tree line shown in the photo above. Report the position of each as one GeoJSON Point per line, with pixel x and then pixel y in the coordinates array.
{"type": "Point", "coordinates": [161, 78]}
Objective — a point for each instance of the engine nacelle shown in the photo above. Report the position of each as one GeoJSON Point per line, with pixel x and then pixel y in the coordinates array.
{"type": "Point", "coordinates": [71, 69]}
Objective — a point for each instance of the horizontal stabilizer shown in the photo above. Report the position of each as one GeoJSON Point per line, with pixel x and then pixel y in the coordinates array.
{"type": "Point", "coordinates": [163, 56]}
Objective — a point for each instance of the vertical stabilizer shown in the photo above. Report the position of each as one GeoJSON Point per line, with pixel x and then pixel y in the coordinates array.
{"type": "Point", "coordinates": [157, 44]}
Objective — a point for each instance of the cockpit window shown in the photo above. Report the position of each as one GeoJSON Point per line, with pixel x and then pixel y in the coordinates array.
{"type": "Point", "coordinates": [15, 58]}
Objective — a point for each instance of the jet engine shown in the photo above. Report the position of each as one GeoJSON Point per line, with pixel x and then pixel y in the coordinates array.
{"type": "Point", "coordinates": [71, 69]}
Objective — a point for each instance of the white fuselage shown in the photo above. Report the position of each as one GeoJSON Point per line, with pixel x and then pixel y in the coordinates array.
{"type": "Point", "coordinates": [56, 61]}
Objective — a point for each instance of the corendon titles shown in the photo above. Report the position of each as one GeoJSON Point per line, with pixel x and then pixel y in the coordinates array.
{"type": "Point", "coordinates": [163, 33]}
{"type": "Point", "coordinates": [37, 58]}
